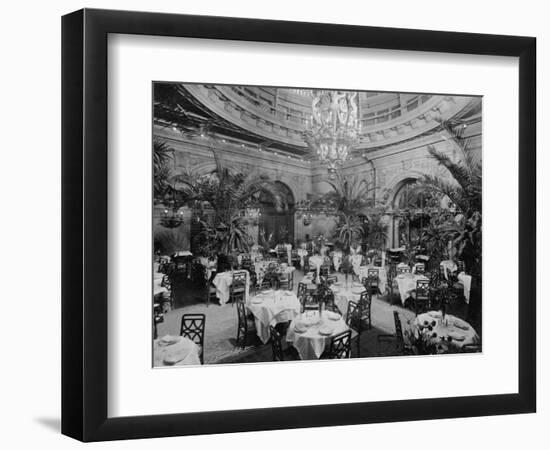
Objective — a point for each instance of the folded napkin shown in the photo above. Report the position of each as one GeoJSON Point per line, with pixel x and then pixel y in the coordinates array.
{"type": "Point", "coordinates": [300, 327]}
{"type": "Point", "coordinates": [332, 315]}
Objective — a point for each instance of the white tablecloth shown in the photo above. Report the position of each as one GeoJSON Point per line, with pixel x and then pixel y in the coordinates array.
{"type": "Point", "coordinates": [209, 266]}
{"type": "Point", "coordinates": [223, 281]}
{"type": "Point", "coordinates": [460, 332]}
{"type": "Point", "coordinates": [311, 344]}
{"type": "Point", "coordinates": [382, 276]}
{"type": "Point", "coordinates": [343, 295]}
{"type": "Point", "coordinates": [407, 284]}
{"type": "Point", "coordinates": [466, 281]}
{"type": "Point", "coordinates": [275, 307]}
{"type": "Point", "coordinates": [182, 353]}
{"type": "Point", "coordinates": [302, 253]}
{"type": "Point", "coordinates": [337, 259]}
{"type": "Point", "coordinates": [157, 284]}
{"type": "Point", "coordinates": [356, 262]}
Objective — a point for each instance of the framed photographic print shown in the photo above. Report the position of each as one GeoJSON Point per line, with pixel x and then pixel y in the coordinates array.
{"type": "Point", "coordinates": [274, 225]}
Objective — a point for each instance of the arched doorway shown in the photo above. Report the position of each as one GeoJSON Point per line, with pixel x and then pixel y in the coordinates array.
{"type": "Point", "coordinates": [277, 221]}
{"type": "Point", "coordinates": [411, 217]}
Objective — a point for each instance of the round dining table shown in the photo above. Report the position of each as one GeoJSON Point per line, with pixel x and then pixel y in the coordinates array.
{"type": "Point", "coordinates": [446, 331]}
{"type": "Point", "coordinates": [310, 333]}
{"type": "Point", "coordinates": [344, 294]}
{"type": "Point", "coordinates": [406, 284]}
{"type": "Point", "coordinates": [272, 307]}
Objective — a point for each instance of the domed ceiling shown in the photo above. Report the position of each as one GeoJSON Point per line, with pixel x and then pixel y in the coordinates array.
{"type": "Point", "coordinates": [277, 118]}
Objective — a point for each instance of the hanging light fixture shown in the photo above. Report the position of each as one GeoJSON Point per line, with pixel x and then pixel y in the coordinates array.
{"type": "Point", "coordinates": [334, 128]}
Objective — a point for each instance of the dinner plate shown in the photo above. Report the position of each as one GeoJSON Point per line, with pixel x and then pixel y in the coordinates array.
{"type": "Point", "coordinates": [357, 290]}
{"type": "Point", "coordinates": [270, 291]}
{"type": "Point", "coordinates": [257, 300]}
{"type": "Point", "coordinates": [326, 330]}
{"type": "Point", "coordinates": [300, 328]}
{"type": "Point", "coordinates": [333, 316]}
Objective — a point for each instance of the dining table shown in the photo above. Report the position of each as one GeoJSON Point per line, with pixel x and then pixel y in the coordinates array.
{"type": "Point", "coordinates": [406, 284]}
{"type": "Point", "coordinates": [272, 307]}
{"type": "Point", "coordinates": [175, 351]}
{"type": "Point", "coordinates": [447, 331]}
{"type": "Point", "coordinates": [344, 294]}
{"type": "Point", "coordinates": [310, 333]}
{"type": "Point", "coordinates": [337, 259]}
{"type": "Point", "coordinates": [223, 281]}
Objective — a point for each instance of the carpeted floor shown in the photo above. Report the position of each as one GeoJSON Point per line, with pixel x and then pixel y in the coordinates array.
{"type": "Point", "coordinates": [221, 327]}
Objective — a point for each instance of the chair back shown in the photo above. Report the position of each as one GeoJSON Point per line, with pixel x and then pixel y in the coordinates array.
{"type": "Point", "coordinates": [340, 345]}
{"type": "Point", "coordinates": [398, 327]}
{"type": "Point", "coordinates": [276, 344]}
{"type": "Point", "coordinates": [239, 280]}
{"type": "Point", "coordinates": [353, 316]}
{"type": "Point", "coordinates": [422, 289]}
{"type": "Point", "coordinates": [302, 289]}
{"type": "Point", "coordinates": [372, 274]}
{"type": "Point", "coordinates": [309, 302]}
{"type": "Point", "coordinates": [192, 327]}
{"type": "Point", "coordinates": [403, 269]}
{"type": "Point", "coordinates": [420, 268]}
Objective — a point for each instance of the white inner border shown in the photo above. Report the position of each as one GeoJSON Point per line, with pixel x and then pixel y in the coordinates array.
{"type": "Point", "coordinates": [136, 389]}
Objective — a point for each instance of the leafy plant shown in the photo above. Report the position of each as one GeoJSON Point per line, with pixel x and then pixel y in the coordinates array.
{"type": "Point", "coordinates": [265, 240]}
{"type": "Point", "coordinates": [169, 241]}
{"type": "Point", "coordinates": [162, 154]}
{"type": "Point", "coordinates": [465, 187]}
{"type": "Point", "coordinates": [349, 230]}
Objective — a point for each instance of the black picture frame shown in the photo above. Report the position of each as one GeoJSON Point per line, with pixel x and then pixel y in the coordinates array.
{"type": "Point", "coordinates": [84, 224]}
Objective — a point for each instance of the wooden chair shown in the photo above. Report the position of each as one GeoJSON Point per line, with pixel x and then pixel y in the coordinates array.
{"type": "Point", "coordinates": [286, 281]}
{"type": "Point", "coordinates": [158, 317]}
{"type": "Point", "coordinates": [244, 326]}
{"type": "Point", "coordinates": [401, 270]}
{"type": "Point", "coordinates": [309, 302]}
{"type": "Point", "coordinates": [420, 268]}
{"type": "Point", "coordinates": [340, 346]}
{"type": "Point", "coordinates": [238, 287]}
{"type": "Point", "coordinates": [264, 285]}
{"type": "Point", "coordinates": [169, 299]}
{"type": "Point", "coordinates": [355, 323]}
{"type": "Point", "coordinates": [211, 293]}
{"type": "Point", "coordinates": [421, 296]}
{"type": "Point", "coordinates": [276, 344]}
{"type": "Point", "coordinates": [302, 289]}
{"type": "Point", "coordinates": [364, 304]}
{"type": "Point", "coordinates": [397, 337]}
{"type": "Point", "coordinates": [373, 277]}
{"type": "Point", "coordinates": [192, 327]}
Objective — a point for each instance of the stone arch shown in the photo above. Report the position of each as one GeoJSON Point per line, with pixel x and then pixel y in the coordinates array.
{"type": "Point", "coordinates": [397, 183]}
{"type": "Point", "coordinates": [278, 222]}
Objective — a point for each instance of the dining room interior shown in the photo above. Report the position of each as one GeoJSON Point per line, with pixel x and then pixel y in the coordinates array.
{"type": "Point", "coordinates": [298, 224]}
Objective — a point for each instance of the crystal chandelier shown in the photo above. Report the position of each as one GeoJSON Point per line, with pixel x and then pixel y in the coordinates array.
{"type": "Point", "coordinates": [335, 129]}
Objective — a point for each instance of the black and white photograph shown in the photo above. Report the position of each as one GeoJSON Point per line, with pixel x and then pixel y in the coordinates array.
{"type": "Point", "coordinates": [299, 224]}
